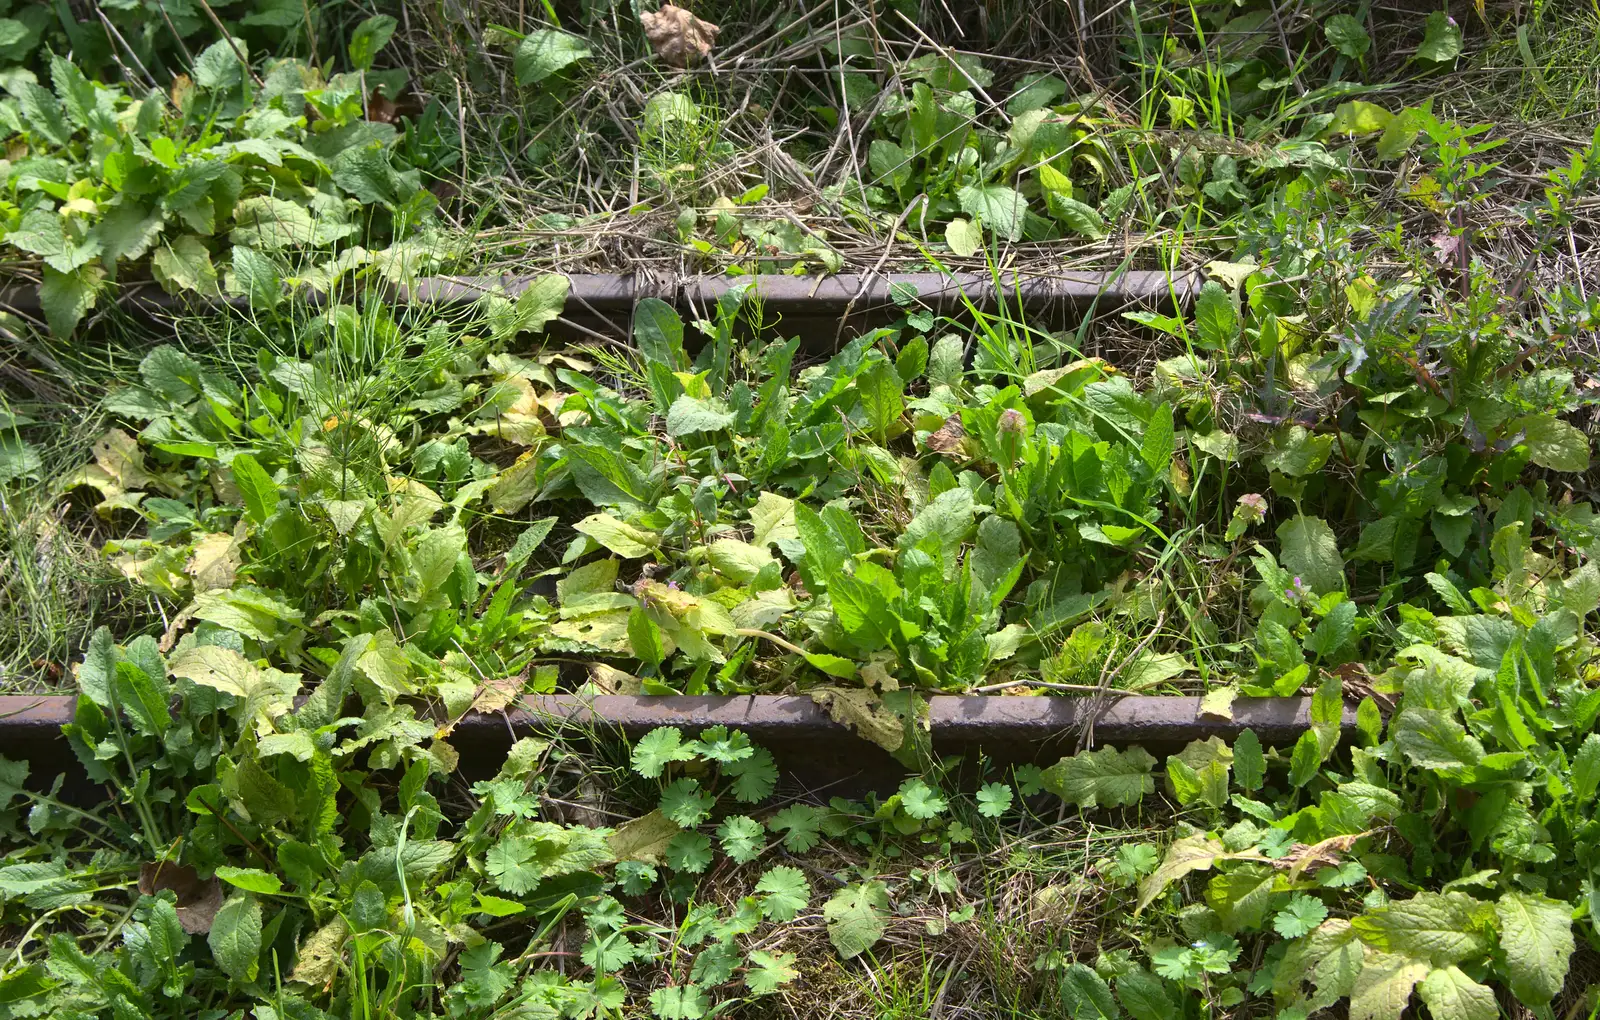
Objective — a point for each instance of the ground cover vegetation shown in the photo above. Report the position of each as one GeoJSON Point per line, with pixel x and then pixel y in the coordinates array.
{"type": "Point", "coordinates": [281, 534]}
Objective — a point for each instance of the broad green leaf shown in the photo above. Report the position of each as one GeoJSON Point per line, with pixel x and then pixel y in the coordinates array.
{"type": "Point", "coordinates": [1242, 896]}
{"type": "Point", "coordinates": [370, 37]}
{"type": "Point", "coordinates": [1451, 995]}
{"type": "Point", "coordinates": [1215, 320]}
{"type": "Point", "coordinates": [1310, 551]}
{"type": "Point", "coordinates": [255, 276]}
{"type": "Point", "coordinates": [1536, 936]}
{"type": "Point", "coordinates": [1145, 996]}
{"type": "Point", "coordinates": [689, 414]}
{"type": "Point", "coordinates": [218, 65]}
{"type": "Point", "coordinates": [127, 232]}
{"type": "Point", "coordinates": [1249, 764]}
{"type": "Point", "coordinates": [184, 263]}
{"type": "Point", "coordinates": [963, 236]}
{"type": "Point", "coordinates": [1433, 738]}
{"type": "Point", "coordinates": [235, 937]}
{"type": "Point", "coordinates": [1358, 117]}
{"type": "Point", "coordinates": [1441, 40]}
{"type": "Point", "coordinates": [1191, 853]}
{"type": "Point", "coordinates": [1586, 769]}
{"type": "Point", "coordinates": [768, 971]}
{"type": "Point", "coordinates": [66, 297]}
{"type": "Point", "coordinates": [738, 560]}
{"type": "Point", "coordinates": [622, 538]}
{"type": "Point", "coordinates": [1107, 777]}
{"type": "Point", "coordinates": [1000, 208]}
{"type": "Point", "coordinates": [260, 492]}
{"type": "Point", "coordinates": [1383, 987]}
{"type": "Point", "coordinates": [252, 880]}
{"type": "Point", "coordinates": [1442, 928]}
{"type": "Point", "coordinates": [1345, 33]}
{"type": "Point", "coordinates": [1086, 994]}
{"type": "Point", "coordinates": [1159, 442]}
{"type": "Point", "coordinates": [545, 52]}
{"type": "Point", "coordinates": [880, 392]}
{"type": "Point", "coordinates": [1296, 452]}
{"type": "Point", "coordinates": [857, 916]}
{"type": "Point", "coordinates": [1554, 444]}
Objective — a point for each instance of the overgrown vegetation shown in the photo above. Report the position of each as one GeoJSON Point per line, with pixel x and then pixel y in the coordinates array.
{"type": "Point", "coordinates": [289, 552]}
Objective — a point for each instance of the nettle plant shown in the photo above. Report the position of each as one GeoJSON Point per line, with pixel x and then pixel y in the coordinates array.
{"type": "Point", "coordinates": [224, 184]}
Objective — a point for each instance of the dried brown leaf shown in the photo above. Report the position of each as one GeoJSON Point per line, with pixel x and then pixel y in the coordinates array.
{"type": "Point", "coordinates": [678, 37]}
{"type": "Point", "coordinates": [198, 901]}
{"type": "Point", "coordinates": [949, 437]}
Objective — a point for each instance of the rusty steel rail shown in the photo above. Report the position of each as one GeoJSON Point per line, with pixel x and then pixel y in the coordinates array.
{"type": "Point", "coordinates": [807, 743]}
{"type": "Point", "coordinates": [819, 308]}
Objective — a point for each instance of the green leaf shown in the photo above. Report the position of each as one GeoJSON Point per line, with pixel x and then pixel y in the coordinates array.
{"type": "Point", "coordinates": [1145, 996]}
{"type": "Point", "coordinates": [42, 112]}
{"type": "Point", "coordinates": [1441, 40]}
{"type": "Point", "coordinates": [1434, 738]}
{"type": "Point", "coordinates": [689, 852]}
{"type": "Point", "coordinates": [994, 800]}
{"type": "Point", "coordinates": [545, 52]}
{"type": "Point", "coordinates": [742, 838]}
{"type": "Point", "coordinates": [43, 233]}
{"type": "Point", "coordinates": [1586, 769]}
{"type": "Point", "coordinates": [800, 825]}
{"type": "Point", "coordinates": [622, 538]}
{"type": "Point", "coordinates": [1086, 994]}
{"type": "Point", "coordinates": [880, 392]}
{"type": "Point", "coordinates": [127, 232]}
{"type": "Point", "coordinates": [1310, 551]}
{"type": "Point", "coordinates": [1249, 764]}
{"type": "Point", "coordinates": [235, 937]}
{"type": "Point", "coordinates": [260, 492]}
{"type": "Point", "coordinates": [66, 297]}
{"type": "Point", "coordinates": [658, 748]}
{"type": "Point", "coordinates": [963, 236]}
{"type": "Point", "coordinates": [184, 263]}
{"type": "Point", "coordinates": [1191, 853]}
{"type": "Point", "coordinates": [1215, 320]}
{"type": "Point", "coordinates": [767, 971]}
{"type": "Point", "coordinates": [1001, 209]}
{"type": "Point", "coordinates": [1536, 936]}
{"type": "Point", "coordinates": [784, 892]}
{"type": "Point", "coordinates": [689, 414]}
{"type": "Point", "coordinates": [681, 1002]}
{"type": "Point", "coordinates": [1306, 760]}
{"type": "Point", "coordinates": [250, 879]}
{"type": "Point", "coordinates": [1297, 453]}
{"type": "Point", "coordinates": [370, 37]}
{"type": "Point", "coordinates": [1382, 988]}
{"type": "Point", "coordinates": [1104, 778]}
{"type": "Point", "coordinates": [1451, 995]}
{"type": "Point", "coordinates": [1345, 34]}
{"type": "Point", "coordinates": [1302, 915]}
{"type": "Point", "coordinates": [271, 224]}
{"type": "Point", "coordinates": [218, 66]}
{"type": "Point", "coordinates": [1443, 928]}
{"type": "Point", "coordinates": [1554, 444]}
{"type": "Point", "coordinates": [1333, 630]}
{"type": "Point", "coordinates": [1159, 443]}
{"type": "Point", "coordinates": [857, 916]}
{"type": "Point", "coordinates": [255, 277]}
{"type": "Point", "coordinates": [921, 801]}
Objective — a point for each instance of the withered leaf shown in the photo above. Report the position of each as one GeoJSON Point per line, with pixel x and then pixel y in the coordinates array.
{"type": "Point", "coordinates": [948, 437]}
{"type": "Point", "coordinates": [678, 37]}
{"type": "Point", "coordinates": [198, 901]}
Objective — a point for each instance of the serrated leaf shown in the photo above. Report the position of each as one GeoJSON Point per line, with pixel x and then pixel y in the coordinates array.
{"type": "Point", "coordinates": [659, 748]}
{"type": "Point", "coordinates": [1536, 936]}
{"type": "Point", "coordinates": [1249, 764]}
{"type": "Point", "coordinates": [1104, 778]}
{"type": "Point", "coordinates": [235, 938]}
{"type": "Point", "coordinates": [1443, 928]}
{"type": "Point", "coordinates": [1216, 322]}
{"type": "Point", "coordinates": [768, 971]}
{"type": "Point", "coordinates": [1310, 551]}
{"type": "Point", "coordinates": [544, 53]}
{"type": "Point", "coordinates": [1451, 995]}
{"type": "Point", "coordinates": [1554, 444]}
{"type": "Point", "coordinates": [619, 537]}
{"type": "Point", "coordinates": [784, 892]}
{"type": "Point", "coordinates": [689, 415]}
{"type": "Point", "coordinates": [857, 917]}
{"type": "Point", "coordinates": [1383, 987]}
{"type": "Point", "coordinates": [1001, 209]}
